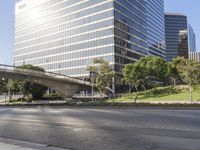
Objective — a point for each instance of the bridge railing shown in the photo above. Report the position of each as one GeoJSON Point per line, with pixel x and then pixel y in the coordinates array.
{"type": "Point", "coordinates": [41, 73]}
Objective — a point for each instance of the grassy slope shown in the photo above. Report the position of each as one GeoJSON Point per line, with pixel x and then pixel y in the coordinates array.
{"type": "Point", "coordinates": [162, 95]}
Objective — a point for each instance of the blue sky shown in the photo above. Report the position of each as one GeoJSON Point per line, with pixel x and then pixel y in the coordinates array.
{"type": "Point", "coordinates": [187, 7]}
{"type": "Point", "coordinates": [6, 30]}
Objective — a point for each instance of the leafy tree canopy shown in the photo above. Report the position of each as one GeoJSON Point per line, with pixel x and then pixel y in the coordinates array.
{"type": "Point", "coordinates": [147, 70]}
{"type": "Point", "coordinates": [102, 74]}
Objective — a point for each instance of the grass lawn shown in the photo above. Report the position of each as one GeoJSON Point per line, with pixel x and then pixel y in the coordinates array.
{"type": "Point", "coordinates": [162, 95]}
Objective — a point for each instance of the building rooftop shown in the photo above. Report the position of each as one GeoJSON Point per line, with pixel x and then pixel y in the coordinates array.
{"type": "Point", "coordinates": [175, 14]}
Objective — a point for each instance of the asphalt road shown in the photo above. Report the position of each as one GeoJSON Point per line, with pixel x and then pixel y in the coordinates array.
{"type": "Point", "coordinates": [102, 129]}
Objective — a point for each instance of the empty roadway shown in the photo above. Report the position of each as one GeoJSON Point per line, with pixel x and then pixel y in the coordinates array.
{"type": "Point", "coordinates": [103, 129]}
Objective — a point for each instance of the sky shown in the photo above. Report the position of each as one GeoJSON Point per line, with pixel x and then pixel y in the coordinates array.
{"type": "Point", "coordinates": [188, 7]}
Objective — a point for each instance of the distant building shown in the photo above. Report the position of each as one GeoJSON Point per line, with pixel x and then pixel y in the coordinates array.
{"type": "Point", "coordinates": [192, 39]}
{"type": "Point", "coordinates": [176, 33]}
{"type": "Point", "coordinates": [194, 56]}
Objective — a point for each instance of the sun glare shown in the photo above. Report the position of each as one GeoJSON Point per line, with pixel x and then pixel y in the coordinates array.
{"type": "Point", "coordinates": [35, 14]}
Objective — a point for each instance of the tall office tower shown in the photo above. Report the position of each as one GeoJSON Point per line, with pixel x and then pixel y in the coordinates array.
{"type": "Point", "coordinates": [178, 39]}
{"type": "Point", "coordinates": [192, 39]}
{"type": "Point", "coordinates": [64, 36]}
{"type": "Point", "coordinates": [130, 33]}
{"type": "Point", "coordinates": [156, 27]}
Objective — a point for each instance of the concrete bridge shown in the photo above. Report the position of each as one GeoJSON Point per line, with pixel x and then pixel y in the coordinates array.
{"type": "Point", "coordinates": [66, 85]}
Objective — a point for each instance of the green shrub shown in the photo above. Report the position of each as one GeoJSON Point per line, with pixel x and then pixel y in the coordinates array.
{"type": "Point", "coordinates": [53, 96]}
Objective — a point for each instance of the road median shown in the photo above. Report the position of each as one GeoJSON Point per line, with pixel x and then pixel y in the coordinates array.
{"type": "Point", "coordinates": [106, 105]}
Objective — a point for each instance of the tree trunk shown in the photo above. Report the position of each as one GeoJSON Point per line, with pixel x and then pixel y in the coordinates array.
{"type": "Point", "coordinates": [129, 90]}
{"type": "Point", "coordinates": [101, 96]}
{"type": "Point", "coordinates": [6, 97]}
{"type": "Point", "coordinates": [144, 87]}
{"type": "Point", "coordinates": [174, 82]}
{"type": "Point", "coordinates": [191, 93]}
{"type": "Point", "coordinates": [135, 98]}
{"type": "Point", "coordinates": [92, 92]}
{"type": "Point", "coordinates": [10, 96]}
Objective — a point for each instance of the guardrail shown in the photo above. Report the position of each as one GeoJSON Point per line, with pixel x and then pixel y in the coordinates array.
{"type": "Point", "coordinates": [89, 95]}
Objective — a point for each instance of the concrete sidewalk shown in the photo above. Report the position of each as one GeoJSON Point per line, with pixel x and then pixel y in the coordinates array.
{"type": "Point", "coordinates": [4, 146]}
{"type": "Point", "coordinates": [8, 144]}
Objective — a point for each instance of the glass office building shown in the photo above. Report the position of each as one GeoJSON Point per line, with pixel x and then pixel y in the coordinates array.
{"type": "Point", "coordinates": [192, 39]}
{"type": "Point", "coordinates": [177, 36]}
{"type": "Point", "coordinates": [156, 27]}
{"type": "Point", "coordinates": [64, 36]}
{"type": "Point", "coordinates": [130, 31]}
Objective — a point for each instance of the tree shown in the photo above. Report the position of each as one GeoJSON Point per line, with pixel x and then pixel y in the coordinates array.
{"type": "Point", "coordinates": [173, 74]}
{"type": "Point", "coordinates": [154, 69]}
{"type": "Point", "coordinates": [3, 85]}
{"type": "Point", "coordinates": [189, 71]}
{"type": "Point", "coordinates": [133, 76]}
{"type": "Point", "coordinates": [22, 89]}
{"type": "Point", "coordinates": [11, 88]}
{"type": "Point", "coordinates": [31, 67]}
{"type": "Point", "coordinates": [128, 76]}
{"type": "Point", "coordinates": [147, 70]}
{"type": "Point", "coordinates": [103, 74]}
